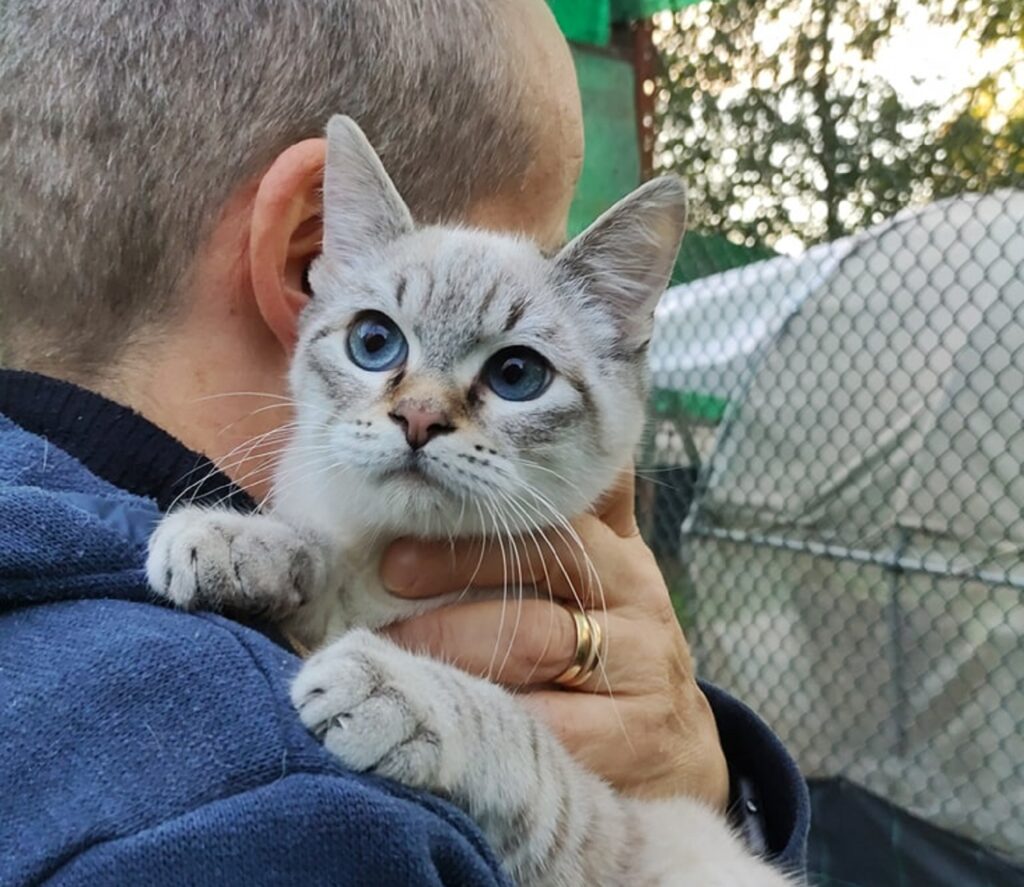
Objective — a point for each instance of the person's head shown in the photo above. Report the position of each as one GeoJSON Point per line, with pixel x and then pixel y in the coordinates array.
{"type": "Point", "coordinates": [162, 164]}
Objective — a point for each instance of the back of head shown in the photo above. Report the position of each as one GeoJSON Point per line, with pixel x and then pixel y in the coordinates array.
{"type": "Point", "coordinates": [125, 126]}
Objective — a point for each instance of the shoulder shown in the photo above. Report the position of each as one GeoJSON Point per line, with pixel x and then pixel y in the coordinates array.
{"type": "Point", "coordinates": [298, 830]}
{"type": "Point", "coordinates": [146, 684]}
{"type": "Point", "coordinates": [146, 709]}
{"type": "Point", "coordinates": [126, 718]}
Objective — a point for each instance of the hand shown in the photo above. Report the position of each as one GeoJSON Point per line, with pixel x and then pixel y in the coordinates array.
{"type": "Point", "coordinates": [641, 722]}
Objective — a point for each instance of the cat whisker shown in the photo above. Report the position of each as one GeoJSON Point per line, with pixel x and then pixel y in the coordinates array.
{"type": "Point", "coordinates": [592, 577]}
{"type": "Point", "coordinates": [520, 592]}
{"type": "Point", "coordinates": [592, 574]}
{"type": "Point", "coordinates": [483, 551]}
{"type": "Point", "coordinates": [500, 536]}
{"type": "Point", "coordinates": [458, 521]}
{"type": "Point", "coordinates": [547, 584]}
{"type": "Point", "coordinates": [532, 534]}
{"type": "Point", "coordinates": [284, 400]}
{"type": "Point", "coordinates": [536, 466]}
{"type": "Point", "coordinates": [602, 669]}
{"type": "Point", "coordinates": [558, 524]}
{"type": "Point", "coordinates": [257, 412]}
{"type": "Point", "coordinates": [306, 472]}
{"type": "Point", "coordinates": [218, 466]}
{"type": "Point", "coordinates": [223, 394]}
{"type": "Point", "coordinates": [260, 472]}
{"type": "Point", "coordinates": [516, 578]}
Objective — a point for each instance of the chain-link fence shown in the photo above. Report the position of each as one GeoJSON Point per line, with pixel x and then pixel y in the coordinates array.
{"type": "Point", "coordinates": [841, 438]}
{"type": "Point", "coordinates": [834, 478]}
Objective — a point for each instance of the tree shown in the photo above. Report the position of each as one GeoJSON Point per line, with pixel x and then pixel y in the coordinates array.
{"type": "Point", "coordinates": [981, 146]}
{"type": "Point", "coordinates": [778, 116]}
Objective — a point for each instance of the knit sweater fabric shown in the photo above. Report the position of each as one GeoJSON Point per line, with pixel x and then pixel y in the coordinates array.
{"type": "Point", "coordinates": [143, 745]}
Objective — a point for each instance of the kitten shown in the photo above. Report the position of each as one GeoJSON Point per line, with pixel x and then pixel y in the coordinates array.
{"type": "Point", "coordinates": [454, 382]}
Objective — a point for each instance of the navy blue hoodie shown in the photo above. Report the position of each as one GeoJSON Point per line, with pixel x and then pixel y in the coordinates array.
{"type": "Point", "coordinates": [141, 745]}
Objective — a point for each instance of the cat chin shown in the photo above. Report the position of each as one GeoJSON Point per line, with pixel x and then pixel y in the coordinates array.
{"type": "Point", "coordinates": [388, 506]}
{"type": "Point", "coordinates": [388, 503]}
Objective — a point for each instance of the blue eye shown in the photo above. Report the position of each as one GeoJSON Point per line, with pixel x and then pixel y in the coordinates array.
{"type": "Point", "coordinates": [375, 342]}
{"type": "Point", "coordinates": [518, 374]}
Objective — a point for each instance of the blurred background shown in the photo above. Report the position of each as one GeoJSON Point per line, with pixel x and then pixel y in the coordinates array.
{"type": "Point", "coordinates": [833, 478]}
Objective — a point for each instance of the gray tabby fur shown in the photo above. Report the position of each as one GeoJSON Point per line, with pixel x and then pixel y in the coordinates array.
{"type": "Point", "coordinates": [348, 483]}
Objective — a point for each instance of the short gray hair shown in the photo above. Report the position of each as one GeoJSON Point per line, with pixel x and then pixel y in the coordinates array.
{"type": "Point", "coordinates": [126, 124]}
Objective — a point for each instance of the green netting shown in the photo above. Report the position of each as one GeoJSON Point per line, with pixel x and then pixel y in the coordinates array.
{"type": "Point", "coordinates": [611, 165]}
{"type": "Point", "coordinates": [704, 254]}
{"type": "Point", "coordinates": [670, 404]}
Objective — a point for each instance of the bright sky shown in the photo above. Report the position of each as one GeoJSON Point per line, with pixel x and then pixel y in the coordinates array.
{"type": "Point", "coordinates": [924, 62]}
{"type": "Point", "coordinates": [932, 63]}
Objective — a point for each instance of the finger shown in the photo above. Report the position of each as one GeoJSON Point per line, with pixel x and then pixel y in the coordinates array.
{"type": "Point", "coordinates": [617, 507]}
{"type": "Point", "coordinates": [591, 567]}
{"type": "Point", "coordinates": [514, 642]}
{"type": "Point", "coordinates": [531, 642]}
{"type": "Point", "coordinates": [556, 560]}
{"type": "Point", "coordinates": [584, 723]}
{"type": "Point", "coordinates": [656, 751]}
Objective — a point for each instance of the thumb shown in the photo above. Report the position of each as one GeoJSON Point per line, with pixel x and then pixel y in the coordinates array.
{"type": "Point", "coordinates": [616, 507]}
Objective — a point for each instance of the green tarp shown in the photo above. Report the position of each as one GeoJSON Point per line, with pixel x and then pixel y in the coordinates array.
{"type": "Point", "coordinates": [611, 164]}
{"type": "Point", "coordinates": [611, 159]}
{"type": "Point", "coordinates": [584, 21]}
{"type": "Point", "coordinates": [590, 21]}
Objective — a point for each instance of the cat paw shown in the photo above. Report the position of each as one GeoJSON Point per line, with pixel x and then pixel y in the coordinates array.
{"type": "Point", "coordinates": [371, 704]}
{"type": "Point", "coordinates": [207, 559]}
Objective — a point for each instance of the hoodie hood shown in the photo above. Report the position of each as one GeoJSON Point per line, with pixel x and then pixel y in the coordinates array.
{"type": "Point", "coordinates": [66, 534]}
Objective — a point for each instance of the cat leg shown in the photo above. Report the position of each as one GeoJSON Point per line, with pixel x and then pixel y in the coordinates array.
{"type": "Point", "coordinates": [431, 726]}
{"type": "Point", "coordinates": [219, 559]}
{"type": "Point", "coordinates": [687, 843]}
{"type": "Point", "coordinates": [552, 823]}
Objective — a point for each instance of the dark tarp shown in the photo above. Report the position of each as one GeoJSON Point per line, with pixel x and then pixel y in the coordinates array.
{"type": "Point", "coordinates": [860, 840]}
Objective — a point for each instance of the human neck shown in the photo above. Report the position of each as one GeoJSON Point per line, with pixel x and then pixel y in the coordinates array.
{"type": "Point", "coordinates": [218, 386]}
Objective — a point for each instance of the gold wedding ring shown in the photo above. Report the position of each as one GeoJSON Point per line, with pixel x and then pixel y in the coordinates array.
{"type": "Point", "coordinates": [587, 655]}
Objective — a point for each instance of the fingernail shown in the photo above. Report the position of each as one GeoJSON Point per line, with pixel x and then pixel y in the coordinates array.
{"type": "Point", "coordinates": [399, 566]}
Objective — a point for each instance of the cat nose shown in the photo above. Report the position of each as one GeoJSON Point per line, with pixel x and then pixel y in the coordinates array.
{"type": "Point", "coordinates": [421, 422]}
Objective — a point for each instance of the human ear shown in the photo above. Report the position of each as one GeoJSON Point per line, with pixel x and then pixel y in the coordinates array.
{"type": "Point", "coordinates": [285, 236]}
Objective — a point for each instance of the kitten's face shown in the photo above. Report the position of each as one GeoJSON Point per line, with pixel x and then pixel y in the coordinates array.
{"type": "Point", "coordinates": [450, 374]}
{"type": "Point", "coordinates": [455, 381]}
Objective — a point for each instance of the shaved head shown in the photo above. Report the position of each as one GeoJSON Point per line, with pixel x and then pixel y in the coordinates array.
{"type": "Point", "coordinates": [125, 128]}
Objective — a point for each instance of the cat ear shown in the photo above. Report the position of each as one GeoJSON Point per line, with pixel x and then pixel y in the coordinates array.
{"type": "Point", "coordinates": [623, 261]}
{"type": "Point", "coordinates": [362, 207]}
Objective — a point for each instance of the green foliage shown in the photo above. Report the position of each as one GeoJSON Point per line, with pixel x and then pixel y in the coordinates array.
{"type": "Point", "coordinates": [778, 117]}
